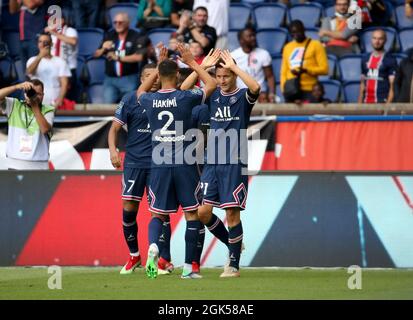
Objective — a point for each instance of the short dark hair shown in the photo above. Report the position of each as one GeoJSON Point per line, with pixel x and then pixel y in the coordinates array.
{"type": "Point", "coordinates": [37, 82]}
{"type": "Point", "coordinates": [45, 34]}
{"type": "Point", "coordinates": [149, 66]}
{"type": "Point", "coordinates": [201, 8]}
{"type": "Point", "coordinates": [296, 23]}
{"type": "Point", "coordinates": [167, 68]}
{"type": "Point", "coordinates": [241, 32]}
{"type": "Point", "coordinates": [183, 74]}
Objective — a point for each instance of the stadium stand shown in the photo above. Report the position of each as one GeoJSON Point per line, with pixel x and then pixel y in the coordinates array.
{"type": "Point", "coordinates": [161, 35]}
{"type": "Point", "coordinates": [308, 13]}
{"type": "Point", "coordinates": [130, 8]}
{"type": "Point", "coordinates": [406, 39]}
{"type": "Point", "coordinates": [233, 42]}
{"type": "Point", "coordinates": [269, 15]}
{"type": "Point", "coordinates": [272, 40]}
{"type": "Point", "coordinates": [332, 65]}
{"type": "Point", "coordinates": [312, 33]}
{"type": "Point", "coordinates": [90, 39]}
{"type": "Point", "coordinates": [332, 89]}
{"type": "Point", "coordinates": [94, 72]}
{"type": "Point", "coordinates": [95, 93]}
{"type": "Point", "coordinates": [239, 15]}
{"type": "Point", "coordinates": [401, 20]}
{"type": "Point", "coordinates": [350, 67]}
{"type": "Point", "coordinates": [351, 91]}
{"type": "Point", "coordinates": [365, 39]}
{"type": "Point", "coordinates": [276, 66]}
{"type": "Point", "coordinates": [11, 38]}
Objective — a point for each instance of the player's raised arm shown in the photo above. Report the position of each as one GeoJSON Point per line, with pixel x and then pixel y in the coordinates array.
{"type": "Point", "coordinates": [209, 61]}
{"type": "Point", "coordinates": [230, 64]}
{"type": "Point", "coordinates": [188, 59]}
{"type": "Point", "coordinates": [147, 84]}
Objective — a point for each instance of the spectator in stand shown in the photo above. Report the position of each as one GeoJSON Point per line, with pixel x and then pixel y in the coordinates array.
{"type": "Point", "coordinates": [122, 50]}
{"type": "Point", "coordinates": [374, 12]}
{"type": "Point", "coordinates": [178, 7]}
{"type": "Point", "coordinates": [338, 38]}
{"type": "Point", "coordinates": [256, 62]}
{"type": "Point", "coordinates": [86, 13]}
{"type": "Point", "coordinates": [65, 46]}
{"type": "Point", "coordinates": [378, 70]}
{"type": "Point", "coordinates": [52, 71]}
{"type": "Point", "coordinates": [32, 20]}
{"type": "Point", "coordinates": [315, 61]}
{"type": "Point", "coordinates": [30, 124]}
{"type": "Point", "coordinates": [218, 18]}
{"type": "Point", "coordinates": [317, 95]}
{"type": "Point", "coordinates": [408, 8]}
{"type": "Point", "coordinates": [154, 13]}
{"type": "Point", "coordinates": [197, 51]}
{"type": "Point", "coordinates": [197, 29]}
{"type": "Point", "coordinates": [403, 82]}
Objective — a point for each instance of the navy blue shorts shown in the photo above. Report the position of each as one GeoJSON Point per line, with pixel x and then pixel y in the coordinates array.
{"type": "Point", "coordinates": [134, 181]}
{"type": "Point", "coordinates": [172, 187]}
{"type": "Point", "coordinates": [224, 186]}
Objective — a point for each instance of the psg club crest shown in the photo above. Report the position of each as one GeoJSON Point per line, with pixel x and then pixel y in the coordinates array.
{"type": "Point", "coordinates": [232, 100]}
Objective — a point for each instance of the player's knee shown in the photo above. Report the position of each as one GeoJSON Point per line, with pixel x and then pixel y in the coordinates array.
{"type": "Point", "coordinates": [131, 206]}
{"type": "Point", "coordinates": [191, 215]}
{"type": "Point", "coordinates": [162, 217]}
{"type": "Point", "coordinates": [205, 213]}
{"type": "Point", "coordinates": [233, 214]}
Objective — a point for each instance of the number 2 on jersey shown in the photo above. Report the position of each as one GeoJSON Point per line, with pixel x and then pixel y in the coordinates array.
{"type": "Point", "coordinates": [164, 131]}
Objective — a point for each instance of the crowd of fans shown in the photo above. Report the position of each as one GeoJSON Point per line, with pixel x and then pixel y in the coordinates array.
{"type": "Point", "coordinates": [49, 52]}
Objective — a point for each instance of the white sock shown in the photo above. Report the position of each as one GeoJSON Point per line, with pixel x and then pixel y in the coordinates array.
{"type": "Point", "coordinates": [135, 254]}
{"type": "Point", "coordinates": [187, 268]}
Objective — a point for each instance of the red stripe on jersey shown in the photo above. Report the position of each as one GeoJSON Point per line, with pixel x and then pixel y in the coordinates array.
{"type": "Point", "coordinates": [373, 66]}
{"type": "Point", "coordinates": [21, 24]}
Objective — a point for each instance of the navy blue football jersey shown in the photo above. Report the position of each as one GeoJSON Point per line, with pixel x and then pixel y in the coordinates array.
{"type": "Point", "coordinates": [377, 70]}
{"type": "Point", "coordinates": [229, 115]}
{"type": "Point", "coordinates": [170, 117]}
{"type": "Point", "coordinates": [138, 144]}
{"type": "Point", "coordinates": [201, 116]}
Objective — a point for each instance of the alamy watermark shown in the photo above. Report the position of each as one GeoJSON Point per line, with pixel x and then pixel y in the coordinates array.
{"type": "Point", "coordinates": [354, 282]}
{"type": "Point", "coordinates": [55, 280]}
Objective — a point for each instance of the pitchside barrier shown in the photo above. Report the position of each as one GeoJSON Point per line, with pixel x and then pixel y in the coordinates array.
{"type": "Point", "coordinates": [326, 190]}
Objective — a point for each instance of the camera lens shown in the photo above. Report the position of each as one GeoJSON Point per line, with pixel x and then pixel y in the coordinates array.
{"type": "Point", "coordinates": [31, 93]}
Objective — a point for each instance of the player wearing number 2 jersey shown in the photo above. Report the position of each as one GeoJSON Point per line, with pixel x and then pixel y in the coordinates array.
{"type": "Point", "coordinates": [174, 182]}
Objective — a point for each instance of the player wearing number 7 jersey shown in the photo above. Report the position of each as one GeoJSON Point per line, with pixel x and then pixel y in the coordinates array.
{"type": "Point", "coordinates": [174, 181]}
{"type": "Point", "coordinates": [136, 172]}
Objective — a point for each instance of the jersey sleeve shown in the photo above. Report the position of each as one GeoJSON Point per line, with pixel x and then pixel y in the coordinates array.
{"type": "Point", "coordinates": [250, 97]}
{"type": "Point", "coordinates": [392, 66]}
{"type": "Point", "coordinates": [266, 61]}
{"type": "Point", "coordinates": [197, 96]}
{"type": "Point", "coordinates": [121, 113]}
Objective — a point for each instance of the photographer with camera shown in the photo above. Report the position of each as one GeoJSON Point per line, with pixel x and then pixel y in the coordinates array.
{"type": "Point", "coordinates": [121, 48]}
{"type": "Point", "coordinates": [30, 125]}
{"type": "Point", "coordinates": [52, 71]}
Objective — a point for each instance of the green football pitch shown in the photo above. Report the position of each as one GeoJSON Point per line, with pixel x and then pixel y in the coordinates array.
{"type": "Point", "coordinates": [260, 283]}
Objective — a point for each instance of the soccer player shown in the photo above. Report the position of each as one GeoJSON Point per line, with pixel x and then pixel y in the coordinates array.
{"type": "Point", "coordinates": [224, 181]}
{"type": "Point", "coordinates": [136, 173]}
{"type": "Point", "coordinates": [174, 181]}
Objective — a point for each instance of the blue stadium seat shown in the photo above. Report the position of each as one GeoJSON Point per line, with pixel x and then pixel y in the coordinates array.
{"type": "Point", "coordinates": [160, 35]}
{"type": "Point", "coordinates": [312, 33]}
{"type": "Point", "coordinates": [308, 13]}
{"type": "Point", "coordinates": [233, 42]}
{"type": "Point", "coordinates": [79, 84]}
{"type": "Point", "coordinates": [95, 69]}
{"type": "Point", "coordinates": [279, 93]}
{"type": "Point", "coordinates": [276, 66]}
{"type": "Point", "coordinates": [406, 39]}
{"type": "Point", "coordinates": [130, 8]}
{"type": "Point", "coordinates": [350, 67]}
{"type": "Point", "coordinates": [8, 22]}
{"type": "Point", "coordinates": [268, 15]}
{"type": "Point", "coordinates": [401, 20]}
{"type": "Point", "coordinates": [238, 15]}
{"type": "Point", "coordinates": [90, 40]}
{"type": "Point", "coordinates": [330, 11]}
{"type": "Point", "coordinates": [332, 65]}
{"type": "Point", "coordinates": [399, 57]}
{"type": "Point", "coordinates": [365, 39]}
{"type": "Point", "coordinates": [272, 40]}
{"type": "Point", "coordinates": [95, 93]}
{"type": "Point", "coordinates": [8, 70]}
{"type": "Point", "coordinates": [252, 1]}
{"type": "Point", "coordinates": [351, 91]}
{"type": "Point", "coordinates": [11, 38]}
{"type": "Point", "coordinates": [21, 74]}
{"type": "Point", "coordinates": [332, 89]}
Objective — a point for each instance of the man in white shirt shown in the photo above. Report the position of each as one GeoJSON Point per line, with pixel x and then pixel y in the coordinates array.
{"type": "Point", "coordinates": [65, 46]}
{"type": "Point", "coordinates": [52, 71]}
{"type": "Point", "coordinates": [30, 125]}
{"type": "Point", "coordinates": [218, 13]}
{"type": "Point", "coordinates": [256, 62]}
